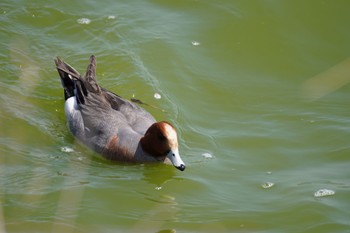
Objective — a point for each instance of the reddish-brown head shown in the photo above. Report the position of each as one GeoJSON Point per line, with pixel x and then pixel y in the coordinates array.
{"type": "Point", "coordinates": [160, 141]}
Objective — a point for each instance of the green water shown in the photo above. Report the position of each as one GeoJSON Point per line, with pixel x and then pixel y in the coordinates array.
{"type": "Point", "coordinates": [258, 91]}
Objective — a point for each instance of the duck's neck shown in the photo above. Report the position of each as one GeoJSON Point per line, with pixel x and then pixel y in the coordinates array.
{"type": "Point", "coordinates": [145, 156]}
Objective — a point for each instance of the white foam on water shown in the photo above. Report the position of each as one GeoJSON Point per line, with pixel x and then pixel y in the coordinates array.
{"type": "Point", "coordinates": [66, 149]}
{"type": "Point", "coordinates": [267, 185]}
{"type": "Point", "coordinates": [83, 21]}
{"type": "Point", "coordinates": [195, 43]}
{"type": "Point", "coordinates": [157, 96]}
{"type": "Point", "coordinates": [207, 155]}
{"type": "Point", "coordinates": [324, 192]}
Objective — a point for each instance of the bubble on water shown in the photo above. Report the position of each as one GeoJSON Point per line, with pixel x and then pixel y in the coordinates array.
{"type": "Point", "coordinates": [269, 173]}
{"type": "Point", "coordinates": [195, 43]}
{"type": "Point", "coordinates": [84, 21]}
{"type": "Point", "coordinates": [111, 17]}
{"type": "Point", "coordinates": [324, 192]}
{"type": "Point", "coordinates": [267, 185]}
{"type": "Point", "coordinates": [158, 187]}
{"type": "Point", "coordinates": [207, 155]}
{"type": "Point", "coordinates": [157, 96]}
{"type": "Point", "coordinates": [66, 149]}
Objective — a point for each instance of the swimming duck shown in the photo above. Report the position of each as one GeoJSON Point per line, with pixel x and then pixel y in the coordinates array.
{"type": "Point", "coordinates": [114, 127]}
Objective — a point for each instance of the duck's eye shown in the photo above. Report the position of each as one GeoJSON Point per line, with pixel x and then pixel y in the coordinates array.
{"type": "Point", "coordinates": [167, 152]}
{"type": "Point", "coordinates": [161, 137]}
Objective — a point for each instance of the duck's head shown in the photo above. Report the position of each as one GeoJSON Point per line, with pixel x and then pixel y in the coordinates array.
{"type": "Point", "coordinates": [160, 141]}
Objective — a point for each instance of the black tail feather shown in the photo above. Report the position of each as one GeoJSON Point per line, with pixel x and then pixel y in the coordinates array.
{"type": "Point", "coordinates": [76, 85]}
{"type": "Point", "coordinates": [67, 74]}
{"type": "Point", "coordinates": [81, 92]}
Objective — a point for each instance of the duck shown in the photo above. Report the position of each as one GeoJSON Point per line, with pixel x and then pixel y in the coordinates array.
{"type": "Point", "coordinates": [112, 126]}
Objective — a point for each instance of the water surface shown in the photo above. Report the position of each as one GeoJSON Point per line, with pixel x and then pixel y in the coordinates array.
{"type": "Point", "coordinates": [258, 91]}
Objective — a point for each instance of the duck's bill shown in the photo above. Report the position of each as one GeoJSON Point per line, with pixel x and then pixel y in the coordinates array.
{"type": "Point", "coordinates": [176, 160]}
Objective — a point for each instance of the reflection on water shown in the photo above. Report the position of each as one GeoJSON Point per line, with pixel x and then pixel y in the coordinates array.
{"type": "Point", "coordinates": [327, 82]}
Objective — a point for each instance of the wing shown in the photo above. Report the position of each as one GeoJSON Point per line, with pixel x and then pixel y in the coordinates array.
{"type": "Point", "coordinates": [100, 106]}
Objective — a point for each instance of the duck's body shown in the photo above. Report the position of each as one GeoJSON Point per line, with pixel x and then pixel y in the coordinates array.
{"type": "Point", "coordinates": [112, 126]}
